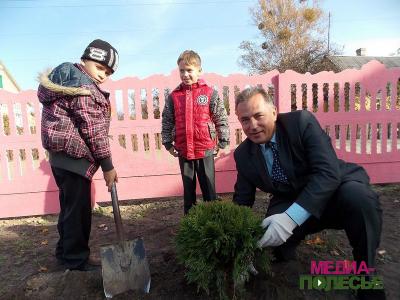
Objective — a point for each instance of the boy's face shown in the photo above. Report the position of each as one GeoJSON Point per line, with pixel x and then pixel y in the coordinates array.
{"type": "Point", "coordinates": [189, 73]}
{"type": "Point", "coordinates": [97, 71]}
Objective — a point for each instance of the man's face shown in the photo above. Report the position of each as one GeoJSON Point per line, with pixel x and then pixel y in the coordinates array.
{"type": "Point", "coordinates": [189, 73]}
{"type": "Point", "coordinates": [98, 72]}
{"type": "Point", "coordinates": [257, 118]}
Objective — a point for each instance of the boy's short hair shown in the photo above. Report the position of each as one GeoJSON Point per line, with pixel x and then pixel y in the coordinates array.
{"type": "Point", "coordinates": [189, 57]}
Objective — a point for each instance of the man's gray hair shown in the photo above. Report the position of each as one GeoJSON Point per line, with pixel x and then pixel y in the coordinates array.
{"type": "Point", "coordinates": [249, 92]}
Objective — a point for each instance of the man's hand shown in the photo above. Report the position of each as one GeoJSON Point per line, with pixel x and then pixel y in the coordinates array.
{"type": "Point", "coordinates": [279, 229]}
{"type": "Point", "coordinates": [110, 177]}
{"type": "Point", "coordinates": [173, 152]}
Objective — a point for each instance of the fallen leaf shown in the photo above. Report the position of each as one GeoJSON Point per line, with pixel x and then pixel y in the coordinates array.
{"type": "Point", "coordinates": [316, 241]}
{"type": "Point", "coordinates": [334, 252]}
{"type": "Point", "coordinates": [381, 252]}
{"type": "Point", "coordinates": [105, 228]}
{"type": "Point", "coordinates": [43, 269]}
{"type": "Point", "coordinates": [45, 230]}
{"type": "Point", "coordinates": [45, 242]}
{"type": "Point", "coordinates": [101, 226]}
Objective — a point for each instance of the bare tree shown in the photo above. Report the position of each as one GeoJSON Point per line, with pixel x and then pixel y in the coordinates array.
{"type": "Point", "coordinates": [294, 35]}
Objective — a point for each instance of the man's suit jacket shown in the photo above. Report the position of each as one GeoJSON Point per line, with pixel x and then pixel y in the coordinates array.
{"type": "Point", "coordinates": [307, 157]}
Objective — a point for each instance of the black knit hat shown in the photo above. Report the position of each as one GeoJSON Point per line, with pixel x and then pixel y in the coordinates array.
{"type": "Point", "coordinates": [103, 53]}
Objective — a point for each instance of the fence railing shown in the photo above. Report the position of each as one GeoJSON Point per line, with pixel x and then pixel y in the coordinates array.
{"type": "Point", "coordinates": [360, 110]}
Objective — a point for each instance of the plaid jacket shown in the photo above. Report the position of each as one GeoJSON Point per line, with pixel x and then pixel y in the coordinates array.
{"type": "Point", "coordinates": [75, 117]}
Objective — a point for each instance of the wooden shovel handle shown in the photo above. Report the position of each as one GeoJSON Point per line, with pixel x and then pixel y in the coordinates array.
{"type": "Point", "coordinates": [117, 213]}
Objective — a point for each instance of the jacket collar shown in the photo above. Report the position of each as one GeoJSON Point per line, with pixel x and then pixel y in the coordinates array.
{"type": "Point", "coordinates": [273, 141]}
{"type": "Point", "coordinates": [259, 163]}
{"type": "Point", "coordinates": [183, 86]}
{"type": "Point", "coordinates": [82, 69]}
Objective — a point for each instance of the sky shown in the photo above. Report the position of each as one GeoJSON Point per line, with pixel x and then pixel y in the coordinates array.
{"type": "Point", "coordinates": [150, 34]}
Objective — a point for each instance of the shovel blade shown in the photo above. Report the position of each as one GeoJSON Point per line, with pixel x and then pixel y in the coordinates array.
{"type": "Point", "coordinates": [124, 268]}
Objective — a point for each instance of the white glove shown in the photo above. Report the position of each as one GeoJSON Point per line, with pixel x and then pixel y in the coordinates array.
{"type": "Point", "coordinates": [280, 227]}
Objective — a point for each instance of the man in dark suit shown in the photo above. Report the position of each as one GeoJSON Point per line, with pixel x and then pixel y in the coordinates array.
{"type": "Point", "coordinates": [291, 157]}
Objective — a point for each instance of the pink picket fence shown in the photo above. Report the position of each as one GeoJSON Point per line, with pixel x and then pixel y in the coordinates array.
{"type": "Point", "coordinates": [360, 110]}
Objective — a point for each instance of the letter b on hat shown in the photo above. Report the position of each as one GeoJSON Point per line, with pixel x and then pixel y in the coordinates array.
{"type": "Point", "coordinates": [103, 53]}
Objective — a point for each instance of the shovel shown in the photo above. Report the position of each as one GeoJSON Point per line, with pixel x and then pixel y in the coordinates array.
{"type": "Point", "coordinates": [124, 265]}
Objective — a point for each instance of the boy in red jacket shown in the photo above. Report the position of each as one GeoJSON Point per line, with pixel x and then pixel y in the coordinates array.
{"type": "Point", "coordinates": [194, 117]}
{"type": "Point", "coordinates": [75, 124]}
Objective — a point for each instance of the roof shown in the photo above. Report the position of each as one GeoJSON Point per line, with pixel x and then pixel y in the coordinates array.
{"type": "Point", "coordinates": [9, 75]}
{"type": "Point", "coordinates": [356, 62]}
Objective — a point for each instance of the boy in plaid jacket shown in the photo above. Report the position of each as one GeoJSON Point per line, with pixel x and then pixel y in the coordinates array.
{"type": "Point", "coordinates": [74, 129]}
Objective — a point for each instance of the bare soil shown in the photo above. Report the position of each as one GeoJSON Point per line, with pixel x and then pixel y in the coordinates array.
{"type": "Point", "coordinates": [28, 268]}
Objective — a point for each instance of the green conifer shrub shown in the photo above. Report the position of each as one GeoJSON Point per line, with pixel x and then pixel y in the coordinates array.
{"type": "Point", "coordinates": [216, 242]}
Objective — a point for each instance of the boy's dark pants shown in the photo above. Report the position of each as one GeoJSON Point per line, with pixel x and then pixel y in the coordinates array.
{"type": "Point", "coordinates": [355, 208]}
{"type": "Point", "coordinates": [74, 221]}
{"type": "Point", "coordinates": [205, 170]}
